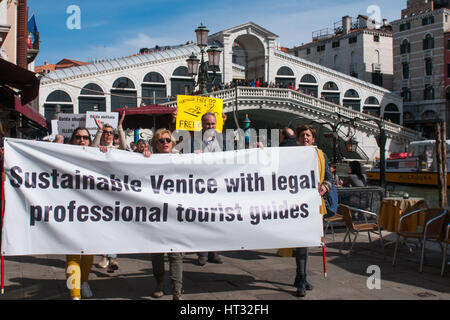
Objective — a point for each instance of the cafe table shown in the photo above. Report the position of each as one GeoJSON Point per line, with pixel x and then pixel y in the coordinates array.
{"type": "Point", "coordinates": [392, 208]}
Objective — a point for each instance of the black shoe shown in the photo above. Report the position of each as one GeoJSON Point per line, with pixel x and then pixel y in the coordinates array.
{"type": "Point", "coordinates": [301, 291]}
{"type": "Point", "coordinates": [215, 259]}
{"type": "Point", "coordinates": [308, 286]}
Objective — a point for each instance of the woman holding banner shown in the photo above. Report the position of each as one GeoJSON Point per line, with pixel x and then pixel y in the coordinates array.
{"type": "Point", "coordinates": [104, 139]}
{"type": "Point", "coordinates": [78, 267]}
{"type": "Point", "coordinates": [306, 136]}
{"type": "Point", "coordinates": [163, 142]}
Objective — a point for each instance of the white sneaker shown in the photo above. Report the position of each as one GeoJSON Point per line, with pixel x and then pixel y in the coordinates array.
{"type": "Point", "coordinates": [76, 298]}
{"type": "Point", "coordinates": [86, 290]}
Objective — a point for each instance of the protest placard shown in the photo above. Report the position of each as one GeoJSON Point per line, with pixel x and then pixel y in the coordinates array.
{"type": "Point", "coordinates": [192, 108]}
{"type": "Point", "coordinates": [111, 118]}
{"type": "Point", "coordinates": [67, 122]}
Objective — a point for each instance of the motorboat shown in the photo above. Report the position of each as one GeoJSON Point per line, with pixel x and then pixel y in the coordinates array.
{"type": "Point", "coordinates": [416, 166]}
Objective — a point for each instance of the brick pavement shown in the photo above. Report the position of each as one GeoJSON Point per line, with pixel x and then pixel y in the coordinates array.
{"type": "Point", "coordinates": [244, 275]}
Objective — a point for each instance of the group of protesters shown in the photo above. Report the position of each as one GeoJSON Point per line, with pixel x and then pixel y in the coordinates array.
{"type": "Point", "coordinates": [163, 141]}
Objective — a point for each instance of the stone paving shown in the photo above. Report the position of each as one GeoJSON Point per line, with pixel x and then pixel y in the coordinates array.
{"type": "Point", "coordinates": [245, 275]}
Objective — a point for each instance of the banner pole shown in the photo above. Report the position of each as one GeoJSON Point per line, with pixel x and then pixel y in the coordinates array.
{"type": "Point", "coordinates": [324, 256]}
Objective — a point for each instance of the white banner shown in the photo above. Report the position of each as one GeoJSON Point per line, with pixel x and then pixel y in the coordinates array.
{"type": "Point", "coordinates": [65, 199]}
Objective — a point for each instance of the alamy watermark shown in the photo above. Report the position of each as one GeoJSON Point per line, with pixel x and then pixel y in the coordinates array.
{"type": "Point", "coordinates": [374, 280]}
{"type": "Point", "coordinates": [74, 20]}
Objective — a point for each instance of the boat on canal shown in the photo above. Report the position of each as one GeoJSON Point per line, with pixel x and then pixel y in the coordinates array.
{"type": "Point", "coordinates": [416, 166]}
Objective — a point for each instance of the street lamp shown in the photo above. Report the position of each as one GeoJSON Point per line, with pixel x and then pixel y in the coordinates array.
{"type": "Point", "coordinates": [381, 142]}
{"type": "Point", "coordinates": [351, 144]}
{"type": "Point", "coordinates": [200, 67]}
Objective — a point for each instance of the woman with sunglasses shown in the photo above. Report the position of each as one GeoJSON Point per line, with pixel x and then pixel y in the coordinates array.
{"type": "Point", "coordinates": [163, 142]}
{"type": "Point", "coordinates": [78, 267]}
{"type": "Point", "coordinates": [104, 140]}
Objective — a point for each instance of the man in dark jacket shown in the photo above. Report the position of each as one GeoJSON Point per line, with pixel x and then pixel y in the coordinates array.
{"type": "Point", "coordinates": [288, 138]}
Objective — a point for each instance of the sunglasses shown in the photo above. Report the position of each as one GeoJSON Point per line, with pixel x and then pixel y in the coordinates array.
{"type": "Point", "coordinates": [81, 137]}
{"type": "Point", "coordinates": [108, 133]}
{"type": "Point", "coordinates": [166, 140]}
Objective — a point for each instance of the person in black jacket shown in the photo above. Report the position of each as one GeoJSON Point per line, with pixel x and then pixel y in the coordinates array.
{"type": "Point", "coordinates": [288, 138]}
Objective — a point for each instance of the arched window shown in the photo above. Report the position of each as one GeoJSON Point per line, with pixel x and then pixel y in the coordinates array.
{"type": "Point", "coordinates": [92, 98]}
{"type": "Point", "coordinates": [154, 77]}
{"type": "Point", "coordinates": [351, 94]}
{"type": "Point", "coordinates": [330, 86]}
{"type": "Point", "coordinates": [123, 83]}
{"type": "Point", "coordinates": [308, 85]}
{"type": "Point", "coordinates": [307, 78]}
{"type": "Point", "coordinates": [405, 47]}
{"type": "Point", "coordinates": [181, 72]}
{"type": "Point", "coordinates": [57, 102]}
{"type": "Point", "coordinates": [377, 57]}
{"type": "Point", "coordinates": [59, 96]}
{"type": "Point", "coordinates": [372, 106]}
{"type": "Point", "coordinates": [428, 93]}
{"type": "Point", "coordinates": [330, 92]}
{"type": "Point", "coordinates": [391, 113]}
{"type": "Point", "coordinates": [428, 42]}
{"type": "Point", "coordinates": [352, 100]}
{"type": "Point", "coordinates": [154, 89]}
{"type": "Point", "coordinates": [285, 71]}
{"type": "Point", "coordinates": [285, 78]}
{"type": "Point", "coordinates": [123, 93]}
{"type": "Point", "coordinates": [182, 83]}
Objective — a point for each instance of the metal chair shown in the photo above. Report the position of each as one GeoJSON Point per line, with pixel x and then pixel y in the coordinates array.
{"type": "Point", "coordinates": [434, 219]}
{"type": "Point", "coordinates": [355, 229]}
{"type": "Point", "coordinates": [446, 242]}
{"type": "Point", "coordinates": [329, 222]}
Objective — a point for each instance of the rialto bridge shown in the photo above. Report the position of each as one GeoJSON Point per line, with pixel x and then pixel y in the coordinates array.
{"type": "Point", "coordinates": [249, 52]}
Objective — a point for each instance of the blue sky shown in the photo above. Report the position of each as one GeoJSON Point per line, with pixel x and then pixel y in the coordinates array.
{"type": "Point", "coordinates": [117, 28]}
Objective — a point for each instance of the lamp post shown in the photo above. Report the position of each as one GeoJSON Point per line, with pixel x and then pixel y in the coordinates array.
{"type": "Point", "coordinates": [200, 68]}
{"type": "Point", "coordinates": [350, 144]}
{"type": "Point", "coordinates": [381, 142]}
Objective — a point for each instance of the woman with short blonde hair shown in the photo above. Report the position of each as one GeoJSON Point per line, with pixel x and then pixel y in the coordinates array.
{"type": "Point", "coordinates": [163, 142]}
{"type": "Point", "coordinates": [160, 138]}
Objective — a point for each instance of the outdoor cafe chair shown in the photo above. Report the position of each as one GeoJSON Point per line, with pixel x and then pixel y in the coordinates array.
{"type": "Point", "coordinates": [329, 222]}
{"type": "Point", "coordinates": [433, 222]}
{"type": "Point", "coordinates": [355, 229]}
{"type": "Point", "coordinates": [446, 242]}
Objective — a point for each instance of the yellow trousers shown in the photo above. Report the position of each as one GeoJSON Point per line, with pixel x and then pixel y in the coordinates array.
{"type": "Point", "coordinates": [77, 271]}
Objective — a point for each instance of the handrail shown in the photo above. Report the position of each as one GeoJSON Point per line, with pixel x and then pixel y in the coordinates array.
{"type": "Point", "coordinates": [229, 95]}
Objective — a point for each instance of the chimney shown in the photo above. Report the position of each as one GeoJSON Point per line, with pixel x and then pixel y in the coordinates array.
{"type": "Point", "coordinates": [346, 24]}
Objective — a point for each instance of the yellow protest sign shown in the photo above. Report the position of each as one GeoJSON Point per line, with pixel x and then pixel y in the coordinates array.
{"type": "Point", "coordinates": [192, 108]}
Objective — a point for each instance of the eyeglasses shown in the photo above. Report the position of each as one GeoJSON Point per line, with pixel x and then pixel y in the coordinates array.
{"type": "Point", "coordinates": [166, 140]}
{"type": "Point", "coordinates": [81, 137]}
{"type": "Point", "coordinates": [108, 133]}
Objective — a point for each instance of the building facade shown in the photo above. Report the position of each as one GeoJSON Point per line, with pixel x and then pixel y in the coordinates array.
{"type": "Point", "coordinates": [19, 47]}
{"type": "Point", "coordinates": [420, 63]}
{"type": "Point", "coordinates": [358, 47]}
